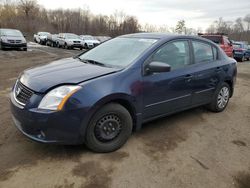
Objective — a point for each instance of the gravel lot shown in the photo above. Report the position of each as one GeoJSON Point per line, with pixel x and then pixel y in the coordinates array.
{"type": "Point", "coordinates": [195, 148]}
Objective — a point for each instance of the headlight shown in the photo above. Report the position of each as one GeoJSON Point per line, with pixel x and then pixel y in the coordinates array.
{"type": "Point", "coordinates": [3, 39]}
{"type": "Point", "coordinates": [56, 98]}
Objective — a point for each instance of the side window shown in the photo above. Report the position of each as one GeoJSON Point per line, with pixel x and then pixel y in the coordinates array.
{"type": "Point", "coordinates": [176, 54]}
{"type": "Point", "coordinates": [202, 52]}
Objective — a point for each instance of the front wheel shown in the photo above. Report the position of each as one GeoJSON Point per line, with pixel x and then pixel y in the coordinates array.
{"type": "Point", "coordinates": [242, 59]}
{"type": "Point", "coordinates": [220, 99]}
{"type": "Point", "coordinates": [109, 128]}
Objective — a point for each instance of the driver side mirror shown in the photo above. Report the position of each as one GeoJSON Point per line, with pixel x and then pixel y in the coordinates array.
{"type": "Point", "coordinates": [157, 67]}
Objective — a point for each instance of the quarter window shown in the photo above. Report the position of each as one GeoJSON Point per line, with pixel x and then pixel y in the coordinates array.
{"type": "Point", "coordinates": [215, 52]}
{"type": "Point", "coordinates": [202, 52]}
{"type": "Point", "coordinates": [176, 54]}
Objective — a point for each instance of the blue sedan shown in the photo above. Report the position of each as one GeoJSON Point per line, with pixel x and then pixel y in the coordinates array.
{"type": "Point", "coordinates": [101, 95]}
{"type": "Point", "coordinates": [241, 51]}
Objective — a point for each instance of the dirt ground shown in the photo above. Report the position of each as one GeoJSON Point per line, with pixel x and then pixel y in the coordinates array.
{"type": "Point", "coordinates": [195, 148]}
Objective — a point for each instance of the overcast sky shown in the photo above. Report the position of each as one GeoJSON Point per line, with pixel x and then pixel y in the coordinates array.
{"type": "Point", "coordinates": [196, 13]}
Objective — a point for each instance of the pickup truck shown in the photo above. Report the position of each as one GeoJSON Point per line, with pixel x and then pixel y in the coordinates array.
{"type": "Point", "coordinates": [222, 40]}
{"type": "Point", "coordinates": [41, 37]}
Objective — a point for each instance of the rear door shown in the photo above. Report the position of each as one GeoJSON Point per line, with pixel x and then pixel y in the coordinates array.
{"type": "Point", "coordinates": [207, 70]}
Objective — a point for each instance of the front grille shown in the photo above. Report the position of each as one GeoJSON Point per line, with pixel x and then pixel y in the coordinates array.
{"type": "Point", "coordinates": [22, 93]}
{"type": "Point", "coordinates": [14, 41]}
{"type": "Point", "coordinates": [11, 41]}
{"type": "Point", "coordinates": [76, 41]}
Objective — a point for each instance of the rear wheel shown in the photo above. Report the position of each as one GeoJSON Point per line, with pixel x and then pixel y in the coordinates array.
{"type": "Point", "coordinates": [109, 128]}
{"type": "Point", "coordinates": [220, 99]}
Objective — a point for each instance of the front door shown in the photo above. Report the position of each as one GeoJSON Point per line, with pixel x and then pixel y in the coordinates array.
{"type": "Point", "coordinates": [171, 91]}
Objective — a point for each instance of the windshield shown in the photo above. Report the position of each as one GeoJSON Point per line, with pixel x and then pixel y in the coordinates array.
{"type": "Point", "coordinates": [88, 38]}
{"type": "Point", "coordinates": [14, 33]}
{"type": "Point", "coordinates": [44, 34]}
{"type": "Point", "coordinates": [118, 52]}
{"type": "Point", "coordinates": [215, 39]}
{"type": "Point", "coordinates": [72, 36]}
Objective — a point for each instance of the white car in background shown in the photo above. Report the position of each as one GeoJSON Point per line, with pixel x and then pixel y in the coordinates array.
{"type": "Point", "coordinates": [69, 41]}
{"type": "Point", "coordinates": [102, 38]}
{"type": "Point", "coordinates": [41, 37]}
{"type": "Point", "coordinates": [89, 41]}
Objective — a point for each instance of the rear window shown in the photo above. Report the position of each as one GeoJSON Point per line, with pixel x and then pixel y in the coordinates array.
{"type": "Point", "coordinates": [215, 39]}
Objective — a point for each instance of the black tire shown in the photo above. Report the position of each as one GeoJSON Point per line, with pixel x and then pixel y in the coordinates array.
{"type": "Point", "coordinates": [214, 105]}
{"type": "Point", "coordinates": [25, 49]}
{"type": "Point", "coordinates": [86, 46]}
{"type": "Point", "coordinates": [66, 46]}
{"type": "Point", "coordinates": [98, 138]}
{"type": "Point", "coordinates": [1, 46]}
{"type": "Point", "coordinates": [80, 48]}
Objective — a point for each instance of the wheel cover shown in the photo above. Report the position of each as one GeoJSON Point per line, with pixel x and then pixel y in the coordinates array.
{"type": "Point", "coordinates": [108, 128]}
{"type": "Point", "coordinates": [223, 97]}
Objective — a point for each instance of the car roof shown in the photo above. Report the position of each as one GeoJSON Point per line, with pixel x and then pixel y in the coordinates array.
{"type": "Point", "coordinates": [4, 29]}
{"type": "Point", "coordinates": [164, 36]}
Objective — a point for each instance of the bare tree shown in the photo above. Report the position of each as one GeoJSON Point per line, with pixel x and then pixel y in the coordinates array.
{"type": "Point", "coordinates": [180, 27]}
{"type": "Point", "coordinates": [28, 6]}
{"type": "Point", "coordinates": [247, 20]}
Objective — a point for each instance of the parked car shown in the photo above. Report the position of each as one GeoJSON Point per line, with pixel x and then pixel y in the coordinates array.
{"type": "Point", "coordinates": [41, 37]}
{"type": "Point", "coordinates": [101, 95]}
{"type": "Point", "coordinates": [241, 51]}
{"type": "Point", "coordinates": [52, 40]}
{"type": "Point", "coordinates": [248, 51]}
{"type": "Point", "coordinates": [89, 41]}
{"type": "Point", "coordinates": [102, 38]}
{"type": "Point", "coordinates": [12, 39]}
{"type": "Point", "coordinates": [222, 40]}
{"type": "Point", "coordinates": [69, 41]}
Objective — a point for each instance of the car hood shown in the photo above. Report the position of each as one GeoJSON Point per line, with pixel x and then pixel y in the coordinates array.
{"type": "Point", "coordinates": [64, 71]}
{"type": "Point", "coordinates": [92, 41]}
{"type": "Point", "coordinates": [71, 40]}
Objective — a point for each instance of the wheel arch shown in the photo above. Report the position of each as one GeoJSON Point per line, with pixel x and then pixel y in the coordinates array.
{"type": "Point", "coordinates": [230, 83]}
{"type": "Point", "coordinates": [123, 99]}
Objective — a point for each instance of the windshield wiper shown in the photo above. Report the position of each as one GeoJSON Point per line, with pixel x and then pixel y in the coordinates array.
{"type": "Point", "coordinates": [90, 61]}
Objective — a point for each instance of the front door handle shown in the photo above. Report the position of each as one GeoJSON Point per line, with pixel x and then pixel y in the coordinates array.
{"type": "Point", "coordinates": [188, 77]}
{"type": "Point", "coordinates": [218, 69]}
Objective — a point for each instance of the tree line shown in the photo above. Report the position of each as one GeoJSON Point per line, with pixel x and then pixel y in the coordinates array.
{"type": "Point", "coordinates": [238, 29]}
{"type": "Point", "coordinates": [29, 17]}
